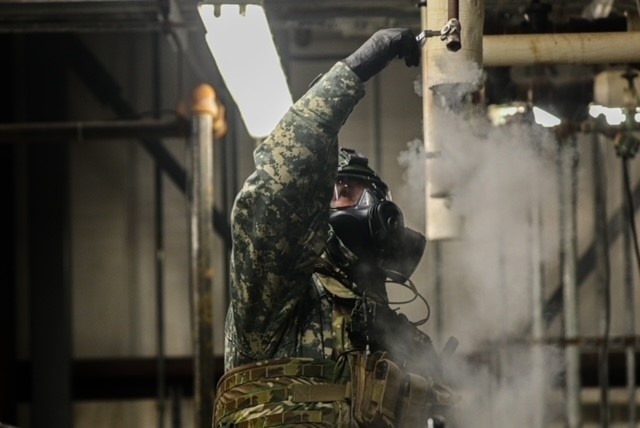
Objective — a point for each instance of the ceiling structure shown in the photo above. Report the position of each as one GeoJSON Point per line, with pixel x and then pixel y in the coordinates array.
{"type": "Point", "coordinates": [357, 18]}
{"type": "Point", "coordinates": [145, 15]}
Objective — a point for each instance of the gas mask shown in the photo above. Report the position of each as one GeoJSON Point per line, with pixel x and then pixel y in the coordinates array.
{"type": "Point", "coordinates": [370, 225]}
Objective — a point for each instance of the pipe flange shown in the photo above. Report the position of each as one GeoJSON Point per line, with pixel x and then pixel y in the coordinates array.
{"type": "Point", "coordinates": [450, 34]}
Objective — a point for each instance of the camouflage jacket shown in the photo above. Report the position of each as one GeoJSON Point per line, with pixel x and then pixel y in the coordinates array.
{"type": "Point", "coordinates": [280, 225]}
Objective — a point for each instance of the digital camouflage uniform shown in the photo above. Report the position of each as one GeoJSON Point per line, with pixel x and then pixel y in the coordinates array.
{"type": "Point", "coordinates": [280, 225]}
{"type": "Point", "coordinates": [281, 306]}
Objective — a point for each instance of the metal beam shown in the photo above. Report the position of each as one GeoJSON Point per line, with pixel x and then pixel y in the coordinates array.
{"type": "Point", "coordinates": [93, 130]}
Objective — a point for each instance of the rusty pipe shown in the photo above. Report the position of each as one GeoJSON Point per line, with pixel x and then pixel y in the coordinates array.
{"type": "Point", "coordinates": [201, 203]}
{"type": "Point", "coordinates": [452, 30]}
{"type": "Point", "coordinates": [453, 9]}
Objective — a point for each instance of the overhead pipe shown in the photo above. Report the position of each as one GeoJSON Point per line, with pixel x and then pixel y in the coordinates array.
{"type": "Point", "coordinates": [440, 65]}
{"type": "Point", "coordinates": [567, 48]}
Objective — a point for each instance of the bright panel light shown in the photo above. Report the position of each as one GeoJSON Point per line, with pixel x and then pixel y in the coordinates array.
{"type": "Point", "coordinates": [243, 48]}
{"type": "Point", "coordinates": [499, 114]}
{"type": "Point", "coordinates": [544, 118]}
{"type": "Point", "coordinates": [613, 115]}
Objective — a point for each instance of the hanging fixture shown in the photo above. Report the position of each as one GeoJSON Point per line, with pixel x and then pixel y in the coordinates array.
{"type": "Point", "coordinates": [241, 42]}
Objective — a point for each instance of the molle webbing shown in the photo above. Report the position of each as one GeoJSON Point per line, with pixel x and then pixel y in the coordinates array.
{"type": "Point", "coordinates": [278, 392]}
{"type": "Point", "coordinates": [291, 418]}
{"type": "Point", "coordinates": [303, 367]}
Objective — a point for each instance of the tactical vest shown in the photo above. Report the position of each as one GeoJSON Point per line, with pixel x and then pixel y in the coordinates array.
{"type": "Point", "coordinates": [359, 389]}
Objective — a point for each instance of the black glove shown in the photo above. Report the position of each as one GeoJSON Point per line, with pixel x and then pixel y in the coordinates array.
{"type": "Point", "coordinates": [380, 49]}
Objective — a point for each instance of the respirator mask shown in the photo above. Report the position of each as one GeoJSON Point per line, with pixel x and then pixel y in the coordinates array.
{"type": "Point", "coordinates": [369, 224]}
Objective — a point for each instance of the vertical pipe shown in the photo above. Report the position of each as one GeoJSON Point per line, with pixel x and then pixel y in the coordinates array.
{"type": "Point", "coordinates": [453, 9]}
{"type": "Point", "coordinates": [176, 410]}
{"type": "Point", "coordinates": [438, 259]}
{"type": "Point", "coordinates": [567, 190]}
{"type": "Point", "coordinates": [159, 270]}
{"type": "Point", "coordinates": [537, 306]}
{"type": "Point", "coordinates": [49, 246]}
{"type": "Point", "coordinates": [439, 290]}
{"type": "Point", "coordinates": [201, 245]}
{"type": "Point", "coordinates": [8, 291]}
{"type": "Point", "coordinates": [49, 240]}
{"type": "Point", "coordinates": [602, 272]}
{"type": "Point", "coordinates": [442, 70]}
{"type": "Point", "coordinates": [629, 294]}
{"type": "Point", "coordinates": [159, 240]}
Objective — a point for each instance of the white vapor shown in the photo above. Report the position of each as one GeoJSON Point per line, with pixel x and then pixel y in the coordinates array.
{"type": "Point", "coordinates": [497, 176]}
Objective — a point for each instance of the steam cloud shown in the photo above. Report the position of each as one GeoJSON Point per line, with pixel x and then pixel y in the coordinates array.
{"type": "Point", "coordinates": [498, 177]}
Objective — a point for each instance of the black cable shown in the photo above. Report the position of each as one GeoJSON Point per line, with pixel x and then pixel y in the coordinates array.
{"type": "Point", "coordinates": [630, 206]}
{"type": "Point", "coordinates": [416, 294]}
{"type": "Point", "coordinates": [629, 279]}
{"type": "Point", "coordinates": [413, 290]}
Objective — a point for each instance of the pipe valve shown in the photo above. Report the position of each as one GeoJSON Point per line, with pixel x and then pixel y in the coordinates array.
{"type": "Point", "coordinates": [450, 34]}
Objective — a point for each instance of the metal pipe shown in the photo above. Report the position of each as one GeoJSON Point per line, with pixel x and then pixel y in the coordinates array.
{"type": "Point", "coordinates": [437, 247]}
{"type": "Point", "coordinates": [201, 246]}
{"type": "Point", "coordinates": [453, 9]}
{"type": "Point", "coordinates": [176, 407]}
{"type": "Point", "coordinates": [439, 289]}
{"type": "Point", "coordinates": [537, 299]}
{"type": "Point", "coordinates": [159, 271]}
{"type": "Point", "coordinates": [567, 164]}
{"type": "Point", "coordinates": [50, 285]}
{"type": "Point", "coordinates": [159, 240]}
{"type": "Point", "coordinates": [451, 32]}
{"type": "Point", "coordinates": [568, 48]}
{"type": "Point", "coordinates": [441, 70]}
{"type": "Point", "coordinates": [603, 273]}
{"type": "Point", "coordinates": [93, 130]}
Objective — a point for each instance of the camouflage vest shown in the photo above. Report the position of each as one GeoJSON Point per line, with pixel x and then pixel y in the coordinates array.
{"type": "Point", "coordinates": [356, 390]}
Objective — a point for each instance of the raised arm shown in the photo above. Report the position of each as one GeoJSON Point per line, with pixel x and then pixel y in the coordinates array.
{"type": "Point", "coordinates": [280, 217]}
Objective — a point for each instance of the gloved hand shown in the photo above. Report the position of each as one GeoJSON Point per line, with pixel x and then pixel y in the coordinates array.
{"type": "Point", "coordinates": [380, 49]}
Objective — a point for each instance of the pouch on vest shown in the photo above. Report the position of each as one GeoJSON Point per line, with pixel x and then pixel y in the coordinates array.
{"type": "Point", "coordinates": [386, 395]}
{"type": "Point", "coordinates": [376, 387]}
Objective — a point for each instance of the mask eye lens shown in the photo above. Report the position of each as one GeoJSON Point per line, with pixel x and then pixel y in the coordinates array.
{"type": "Point", "coordinates": [347, 193]}
{"type": "Point", "coordinates": [367, 199]}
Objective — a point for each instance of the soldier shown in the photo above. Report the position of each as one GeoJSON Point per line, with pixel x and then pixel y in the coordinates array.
{"type": "Point", "coordinates": [315, 238]}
